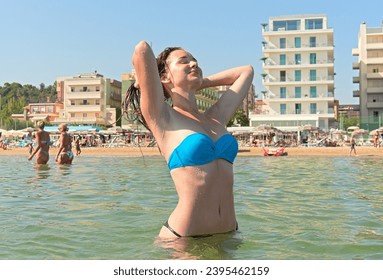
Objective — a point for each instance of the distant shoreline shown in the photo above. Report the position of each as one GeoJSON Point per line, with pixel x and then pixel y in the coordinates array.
{"type": "Point", "coordinates": [243, 151]}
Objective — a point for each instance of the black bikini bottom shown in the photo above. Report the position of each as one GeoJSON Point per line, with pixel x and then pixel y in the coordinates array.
{"type": "Point", "coordinates": [166, 224]}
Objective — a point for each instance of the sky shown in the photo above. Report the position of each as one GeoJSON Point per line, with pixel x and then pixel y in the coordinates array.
{"type": "Point", "coordinates": [42, 40]}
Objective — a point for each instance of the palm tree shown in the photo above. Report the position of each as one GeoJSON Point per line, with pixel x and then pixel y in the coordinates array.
{"type": "Point", "coordinates": [263, 76]}
{"type": "Point", "coordinates": [264, 26]}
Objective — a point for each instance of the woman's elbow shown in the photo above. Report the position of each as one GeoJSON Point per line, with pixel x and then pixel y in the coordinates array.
{"type": "Point", "coordinates": [141, 47]}
{"type": "Point", "coordinates": [250, 70]}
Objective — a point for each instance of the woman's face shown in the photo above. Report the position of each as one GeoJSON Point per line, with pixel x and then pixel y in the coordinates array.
{"type": "Point", "coordinates": [183, 69]}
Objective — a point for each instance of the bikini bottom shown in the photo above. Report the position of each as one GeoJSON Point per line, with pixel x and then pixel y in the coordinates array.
{"type": "Point", "coordinates": [166, 224]}
{"type": "Point", "coordinates": [69, 154]}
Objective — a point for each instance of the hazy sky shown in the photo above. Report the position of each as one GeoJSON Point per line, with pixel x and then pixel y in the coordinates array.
{"type": "Point", "coordinates": [43, 39]}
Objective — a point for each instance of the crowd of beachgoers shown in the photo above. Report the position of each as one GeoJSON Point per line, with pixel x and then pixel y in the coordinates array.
{"type": "Point", "coordinates": [257, 138]}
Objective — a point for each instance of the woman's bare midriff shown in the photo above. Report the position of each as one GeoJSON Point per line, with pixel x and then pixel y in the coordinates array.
{"type": "Point", "coordinates": [206, 202]}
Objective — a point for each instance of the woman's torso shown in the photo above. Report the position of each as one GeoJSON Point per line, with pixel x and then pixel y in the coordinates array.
{"type": "Point", "coordinates": [44, 142]}
{"type": "Point", "coordinates": [66, 142]}
{"type": "Point", "coordinates": [206, 203]}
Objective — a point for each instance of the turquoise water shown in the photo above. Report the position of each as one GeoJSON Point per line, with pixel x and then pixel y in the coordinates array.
{"type": "Point", "coordinates": [113, 207]}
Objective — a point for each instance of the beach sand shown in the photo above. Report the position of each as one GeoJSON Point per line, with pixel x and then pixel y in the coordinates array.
{"type": "Point", "coordinates": [243, 151]}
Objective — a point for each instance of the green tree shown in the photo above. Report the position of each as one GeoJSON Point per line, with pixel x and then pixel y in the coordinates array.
{"type": "Point", "coordinates": [239, 118]}
{"type": "Point", "coordinates": [14, 97]}
{"type": "Point", "coordinates": [353, 121]}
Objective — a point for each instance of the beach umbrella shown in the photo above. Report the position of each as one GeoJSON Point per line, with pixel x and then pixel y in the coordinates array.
{"type": "Point", "coordinates": [359, 132]}
{"type": "Point", "coordinates": [339, 132]}
{"type": "Point", "coordinates": [308, 127]}
{"type": "Point", "coordinates": [28, 129]}
{"type": "Point", "coordinates": [263, 127]}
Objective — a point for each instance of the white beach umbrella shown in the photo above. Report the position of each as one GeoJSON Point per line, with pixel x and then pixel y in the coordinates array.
{"type": "Point", "coordinates": [359, 131]}
{"type": "Point", "coordinates": [339, 132]}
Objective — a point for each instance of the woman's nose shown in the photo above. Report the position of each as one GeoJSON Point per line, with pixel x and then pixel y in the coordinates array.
{"type": "Point", "coordinates": [193, 63]}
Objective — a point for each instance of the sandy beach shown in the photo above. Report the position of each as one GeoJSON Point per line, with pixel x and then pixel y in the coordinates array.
{"type": "Point", "coordinates": [243, 151]}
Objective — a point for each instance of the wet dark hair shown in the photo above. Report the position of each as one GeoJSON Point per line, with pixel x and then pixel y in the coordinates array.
{"type": "Point", "coordinates": [131, 105]}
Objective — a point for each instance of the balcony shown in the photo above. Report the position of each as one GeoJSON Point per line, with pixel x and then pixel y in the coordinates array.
{"type": "Point", "coordinates": [356, 80]}
{"type": "Point", "coordinates": [374, 105]}
{"type": "Point", "coordinates": [320, 80]}
{"type": "Point", "coordinates": [376, 75]}
{"type": "Point", "coordinates": [375, 60]}
{"type": "Point", "coordinates": [355, 65]}
{"type": "Point", "coordinates": [292, 65]}
{"type": "Point", "coordinates": [83, 108]}
{"type": "Point", "coordinates": [83, 95]}
{"type": "Point", "coordinates": [303, 48]}
{"type": "Point", "coordinates": [375, 46]}
{"type": "Point", "coordinates": [355, 52]}
{"type": "Point", "coordinates": [375, 90]}
{"type": "Point", "coordinates": [356, 93]}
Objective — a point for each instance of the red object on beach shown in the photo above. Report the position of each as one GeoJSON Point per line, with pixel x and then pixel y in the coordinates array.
{"type": "Point", "coordinates": [274, 152]}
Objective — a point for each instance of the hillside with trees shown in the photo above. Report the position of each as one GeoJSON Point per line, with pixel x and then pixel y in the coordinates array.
{"type": "Point", "coordinates": [14, 97]}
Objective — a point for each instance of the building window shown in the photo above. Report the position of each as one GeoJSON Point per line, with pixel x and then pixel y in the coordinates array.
{"type": "Point", "coordinates": [282, 25]}
{"type": "Point", "coordinates": [97, 88]}
{"type": "Point", "coordinates": [72, 89]}
{"type": "Point", "coordinates": [72, 103]}
{"type": "Point", "coordinates": [49, 109]}
{"type": "Point", "coordinates": [313, 92]}
{"type": "Point", "coordinates": [313, 42]}
{"type": "Point", "coordinates": [97, 101]}
{"type": "Point", "coordinates": [282, 59]}
{"type": "Point", "coordinates": [313, 108]}
{"type": "Point", "coordinates": [85, 89]}
{"type": "Point", "coordinates": [283, 76]}
{"type": "Point", "coordinates": [298, 108]}
{"type": "Point", "coordinates": [375, 115]}
{"type": "Point", "coordinates": [282, 43]}
{"type": "Point", "coordinates": [313, 75]}
{"type": "Point", "coordinates": [297, 75]}
{"type": "Point", "coordinates": [282, 92]}
{"type": "Point", "coordinates": [297, 42]}
{"type": "Point", "coordinates": [84, 115]}
{"type": "Point", "coordinates": [298, 58]}
{"type": "Point", "coordinates": [282, 108]}
{"type": "Point", "coordinates": [314, 24]}
{"type": "Point", "coordinates": [72, 115]}
{"type": "Point", "coordinates": [298, 92]}
{"type": "Point", "coordinates": [313, 58]}
{"type": "Point", "coordinates": [84, 102]}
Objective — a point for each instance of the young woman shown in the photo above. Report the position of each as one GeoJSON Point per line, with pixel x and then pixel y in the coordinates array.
{"type": "Point", "coordinates": [197, 147]}
{"type": "Point", "coordinates": [64, 154]}
{"type": "Point", "coordinates": [43, 142]}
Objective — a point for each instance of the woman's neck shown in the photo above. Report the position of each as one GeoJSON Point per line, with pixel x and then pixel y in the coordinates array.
{"type": "Point", "coordinates": [185, 101]}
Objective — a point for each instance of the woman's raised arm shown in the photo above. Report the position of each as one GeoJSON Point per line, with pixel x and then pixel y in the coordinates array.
{"type": "Point", "coordinates": [147, 77]}
{"type": "Point", "coordinates": [239, 79]}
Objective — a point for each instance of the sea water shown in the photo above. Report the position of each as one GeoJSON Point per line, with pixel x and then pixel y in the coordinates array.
{"type": "Point", "coordinates": [105, 207]}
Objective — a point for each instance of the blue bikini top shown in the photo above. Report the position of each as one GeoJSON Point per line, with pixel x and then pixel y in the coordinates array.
{"type": "Point", "coordinates": [198, 149]}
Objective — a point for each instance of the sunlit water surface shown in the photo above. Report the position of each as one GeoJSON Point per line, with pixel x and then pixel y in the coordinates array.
{"type": "Point", "coordinates": [113, 207]}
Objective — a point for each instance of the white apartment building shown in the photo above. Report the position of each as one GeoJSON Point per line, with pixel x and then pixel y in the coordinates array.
{"type": "Point", "coordinates": [89, 99]}
{"type": "Point", "coordinates": [370, 75]}
{"type": "Point", "coordinates": [298, 76]}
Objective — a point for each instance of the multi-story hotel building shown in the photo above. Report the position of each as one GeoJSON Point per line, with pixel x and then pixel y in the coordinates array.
{"type": "Point", "coordinates": [298, 76]}
{"type": "Point", "coordinates": [370, 76]}
{"type": "Point", "coordinates": [89, 99]}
